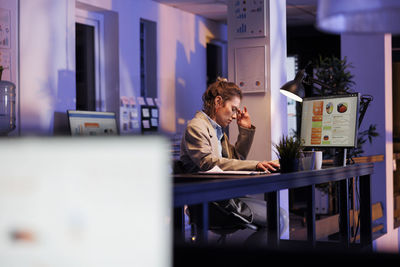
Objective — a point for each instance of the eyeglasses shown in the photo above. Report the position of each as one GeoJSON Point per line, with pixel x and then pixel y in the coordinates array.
{"type": "Point", "coordinates": [235, 110]}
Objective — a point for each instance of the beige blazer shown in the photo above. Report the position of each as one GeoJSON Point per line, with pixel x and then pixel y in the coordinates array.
{"type": "Point", "coordinates": [199, 147]}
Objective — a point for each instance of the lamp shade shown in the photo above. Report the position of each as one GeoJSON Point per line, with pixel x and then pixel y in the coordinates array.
{"type": "Point", "coordinates": [359, 16]}
{"type": "Point", "coordinates": [294, 89]}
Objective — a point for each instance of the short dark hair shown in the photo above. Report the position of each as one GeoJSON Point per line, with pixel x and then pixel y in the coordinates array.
{"type": "Point", "coordinates": [221, 87]}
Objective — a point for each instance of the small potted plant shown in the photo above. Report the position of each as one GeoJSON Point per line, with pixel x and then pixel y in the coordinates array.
{"type": "Point", "coordinates": [288, 151]}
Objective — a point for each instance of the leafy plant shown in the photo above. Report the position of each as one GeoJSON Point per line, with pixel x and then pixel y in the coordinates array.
{"type": "Point", "coordinates": [335, 73]}
{"type": "Point", "coordinates": [288, 151]}
{"type": "Point", "coordinates": [288, 147]}
{"type": "Point", "coordinates": [362, 138]}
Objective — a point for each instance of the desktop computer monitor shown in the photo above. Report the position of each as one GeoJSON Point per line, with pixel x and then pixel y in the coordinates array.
{"type": "Point", "coordinates": [83, 123]}
{"type": "Point", "coordinates": [330, 121]}
{"type": "Point", "coordinates": [85, 202]}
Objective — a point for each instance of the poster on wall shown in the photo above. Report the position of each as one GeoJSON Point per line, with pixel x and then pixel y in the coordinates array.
{"type": "Point", "coordinates": [5, 32]}
{"type": "Point", "coordinates": [248, 18]}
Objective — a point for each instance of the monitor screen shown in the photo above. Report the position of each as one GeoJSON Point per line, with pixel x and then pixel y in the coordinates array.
{"type": "Point", "coordinates": [85, 202]}
{"type": "Point", "coordinates": [92, 123]}
{"type": "Point", "coordinates": [330, 121]}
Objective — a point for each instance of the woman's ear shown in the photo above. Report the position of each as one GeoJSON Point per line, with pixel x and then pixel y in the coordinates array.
{"type": "Point", "coordinates": [218, 101]}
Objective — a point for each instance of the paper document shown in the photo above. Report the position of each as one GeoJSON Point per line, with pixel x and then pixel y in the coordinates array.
{"type": "Point", "coordinates": [218, 170]}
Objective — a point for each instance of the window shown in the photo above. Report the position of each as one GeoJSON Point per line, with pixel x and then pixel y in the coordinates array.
{"type": "Point", "coordinates": [90, 94]}
{"type": "Point", "coordinates": [148, 58]}
{"type": "Point", "coordinates": [216, 60]}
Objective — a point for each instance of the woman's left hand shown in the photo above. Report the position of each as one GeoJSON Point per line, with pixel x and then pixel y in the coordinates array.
{"type": "Point", "coordinates": [243, 118]}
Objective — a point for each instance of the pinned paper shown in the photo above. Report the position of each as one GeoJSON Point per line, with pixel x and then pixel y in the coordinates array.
{"type": "Point", "coordinates": [124, 101]}
{"type": "Point", "coordinates": [135, 124]}
{"type": "Point", "coordinates": [146, 112]}
{"type": "Point", "coordinates": [154, 122]}
{"type": "Point", "coordinates": [149, 101]}
{"type": "Point", "coordinates": [146, 124]}
{"type": "Point", "coordinates": [154, 113]}
{"type": "Point", "coordinates": [141, 101]}
{"type": "Point", "coordinates": [132, 101]}
{"type": "Point", "coordinates": [134, 114]}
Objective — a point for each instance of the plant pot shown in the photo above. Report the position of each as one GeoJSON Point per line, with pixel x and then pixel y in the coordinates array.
{"type": "Point", "coordinates": [289, 165]}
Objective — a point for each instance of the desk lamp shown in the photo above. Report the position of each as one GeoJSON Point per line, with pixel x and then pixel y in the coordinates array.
{"type": "Point", "coordinates": [295, 89]}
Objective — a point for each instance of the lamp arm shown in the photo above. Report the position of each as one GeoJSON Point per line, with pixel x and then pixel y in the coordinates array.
{"type": "Point", "coordinates": [309, 80]}
{"type": "Point", "coordinates": [320, 83]}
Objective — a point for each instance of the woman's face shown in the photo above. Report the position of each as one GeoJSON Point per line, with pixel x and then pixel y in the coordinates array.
{"type": "Point", "coordinates": [226, 112]}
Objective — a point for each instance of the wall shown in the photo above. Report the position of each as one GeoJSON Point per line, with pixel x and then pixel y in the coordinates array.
{"type": "Point", "coordinates": [47, 77]}
{"type": "Point", "coordinates": [47, 52]}
{"type": "Point", "coordinates": [371, 57]}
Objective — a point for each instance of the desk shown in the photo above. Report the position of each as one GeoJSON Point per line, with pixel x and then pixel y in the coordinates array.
{"type": "Point", "coordinates": [197, 189]}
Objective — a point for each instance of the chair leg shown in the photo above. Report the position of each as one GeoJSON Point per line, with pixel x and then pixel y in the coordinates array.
{"type": "Point", "coordinates": [222, 239]}
{"type": "Point", "coordinates": [193, 232]}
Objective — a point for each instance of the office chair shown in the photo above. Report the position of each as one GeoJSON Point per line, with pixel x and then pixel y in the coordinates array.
{"type": "Point", "coordinates": [221, 221]}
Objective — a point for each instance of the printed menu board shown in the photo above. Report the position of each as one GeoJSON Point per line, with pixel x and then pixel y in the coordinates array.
{"type": "Point", "coordinates": [330, 121]}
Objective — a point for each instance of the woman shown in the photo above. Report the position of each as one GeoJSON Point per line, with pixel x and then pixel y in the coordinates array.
{"type": "Point", "coordinates": [204, 145]}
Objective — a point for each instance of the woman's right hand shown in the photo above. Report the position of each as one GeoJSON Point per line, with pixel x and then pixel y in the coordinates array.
{"type": "Point", "coordinates": [268, 166]}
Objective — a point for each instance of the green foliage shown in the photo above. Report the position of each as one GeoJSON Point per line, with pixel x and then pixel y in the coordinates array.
{"type": "Point", "coordinates": [362, 138]}
{"type": "Point", "coordinates": [333, 72]}
{"type": "Point", "coordinates": [289, 147]}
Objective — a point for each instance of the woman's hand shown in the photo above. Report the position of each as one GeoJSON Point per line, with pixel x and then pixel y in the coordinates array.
{"type": "Point", "coordinates": [243, 118]}
{"type": "Point", "coordinates": [268, 166]}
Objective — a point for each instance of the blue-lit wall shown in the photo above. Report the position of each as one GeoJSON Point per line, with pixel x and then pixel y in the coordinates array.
{"type": "Point", "coordinates": [47, 59]}
{"type": "Point", "coordinates": [371, 58]}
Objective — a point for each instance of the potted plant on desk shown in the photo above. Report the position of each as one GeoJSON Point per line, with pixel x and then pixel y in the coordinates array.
{"type": "Point", "coordinates": [288, 151]}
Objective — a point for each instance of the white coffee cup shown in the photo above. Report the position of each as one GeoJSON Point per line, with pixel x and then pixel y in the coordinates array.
{"type": "Point", "coordinates": [318, 160]}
